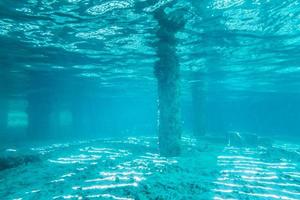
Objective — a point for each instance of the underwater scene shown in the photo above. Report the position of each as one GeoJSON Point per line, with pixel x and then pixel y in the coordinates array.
{"type": "Point", "coordinates": [150, 99]}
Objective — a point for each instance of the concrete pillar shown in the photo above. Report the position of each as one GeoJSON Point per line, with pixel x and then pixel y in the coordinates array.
{"type": "Point", "coordinates": [167, 70]}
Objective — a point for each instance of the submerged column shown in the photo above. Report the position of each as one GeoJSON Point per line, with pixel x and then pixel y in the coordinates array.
{"type": "Point", "coordinates": [39, 105]}
{"type": "Point", "coordinates": [4, 97]}
{"type": "Point", "coordinates": [3, 115]}
{"type": "Point", "coordinates": [39, 113]}
{"type": "Point", "coordinates": [81, 115]}
{"type": "Point", "coordinates": [167, 71]}
{"type": "Point", "coordinates": [198, 115]}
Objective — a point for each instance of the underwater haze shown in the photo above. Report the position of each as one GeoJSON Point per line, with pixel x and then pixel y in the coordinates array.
{"type": "Point", "coordinates": [149, 99]}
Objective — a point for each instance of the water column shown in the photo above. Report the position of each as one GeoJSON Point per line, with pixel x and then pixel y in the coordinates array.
{"type": "Point", "coordinates": [167, 70]}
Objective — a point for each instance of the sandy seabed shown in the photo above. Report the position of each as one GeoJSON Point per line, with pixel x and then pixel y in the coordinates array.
{"type": "Point", "coordinates": [131, 168]}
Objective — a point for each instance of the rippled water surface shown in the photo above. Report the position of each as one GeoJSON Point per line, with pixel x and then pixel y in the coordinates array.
{"type": "Point", "coordinates": [237, 45]}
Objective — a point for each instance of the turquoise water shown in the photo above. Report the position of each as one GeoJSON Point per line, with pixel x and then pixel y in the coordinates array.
{"type": "Point", "coordinates": [149, 99]}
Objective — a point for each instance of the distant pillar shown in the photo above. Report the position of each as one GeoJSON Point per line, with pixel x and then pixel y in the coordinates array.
{"type": "Point", "coordinates": [79, 121]}
{"type": "Point", "coordinates": [4, 95]}
{"type": "Point", "coordinates": [198, 110]}
{"type": "Point", "coordinates": [3, 116]}
{"type": "Point", "coordinates": [82, 125]}
{"type": "Point", "coordinates": [167, 71]}
{"type": "Point", "coordinates": [39, 116]}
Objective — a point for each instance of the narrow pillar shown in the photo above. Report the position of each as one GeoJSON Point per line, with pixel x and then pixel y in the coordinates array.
{"type": "Point", "coordinates": [82, 121]}
{"type": "Point", "coordinates": [42, 87]}
{"type": "Point", "coordinates": [167, 70]}
{"type": "Point", "coordinates": [78, 122]}
{"type": "Point", "coordinates": [4, 97]}
{"type": "Point", "coordinates": [3, 116]}
{"type": "Point", "coordinates": [198, 109]}
{"type": "Point", "coordinates": [39, 116]}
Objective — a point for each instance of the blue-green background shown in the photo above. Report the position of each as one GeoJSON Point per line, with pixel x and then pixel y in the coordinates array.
{"type": "Point", "coordinates": [94, 59]}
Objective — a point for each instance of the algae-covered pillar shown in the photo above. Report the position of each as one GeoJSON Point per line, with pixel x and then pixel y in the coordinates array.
{"type": "Point", "coordinates": [167, 71]}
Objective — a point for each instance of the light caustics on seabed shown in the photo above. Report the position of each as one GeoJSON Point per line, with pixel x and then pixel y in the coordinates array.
{"type": "Point", "coordinates": [129, 169]}
{"type": "Point", "coordinates": [247, 173]}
